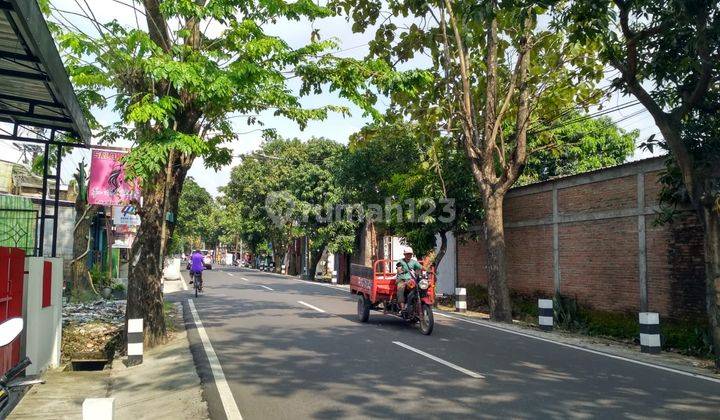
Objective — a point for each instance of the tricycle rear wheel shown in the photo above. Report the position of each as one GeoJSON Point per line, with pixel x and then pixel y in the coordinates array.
{"type": "Point", "coordinates": [363, 308]}
{"type": "Point", "coordinates": [427, 321]}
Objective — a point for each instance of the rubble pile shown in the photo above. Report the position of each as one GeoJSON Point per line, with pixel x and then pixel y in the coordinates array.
{"type": "Point", "coordinates": [108, 311]}
{"type": "Point", "coordinates": [92, 331]}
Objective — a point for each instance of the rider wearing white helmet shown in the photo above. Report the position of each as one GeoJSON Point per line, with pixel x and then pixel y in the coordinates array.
{"type": "Point", "coordinates": [408, 268]}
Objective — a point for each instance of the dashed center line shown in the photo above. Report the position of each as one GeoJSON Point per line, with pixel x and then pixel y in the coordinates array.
{"type": "Point", "coordinates": [311, 306]}
{"type": "Point", "coordinates": [231, 274]}
{"type": "Point", "coordinates": [265, 287]}
{"type": "Point", "coordinates": [469, 373]}
{"type": "Point", "coordinates": [243, 278]}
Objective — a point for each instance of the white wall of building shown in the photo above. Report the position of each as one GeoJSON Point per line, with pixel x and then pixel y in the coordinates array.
{"type": "Point", "coordinates": [447, 270]}
{"type": "Point", "coordinates": [43, 326]}
{"type": "Point", "coordinates": [66, 223]}
{"type": "Point", "coordinates": [397, 249]}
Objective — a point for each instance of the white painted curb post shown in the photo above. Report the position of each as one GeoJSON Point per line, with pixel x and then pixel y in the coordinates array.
{"type": "Point", "coordinates": [98, 408]}
{"type": "Point", "coordinates": [650, 332]}
{"type": "Point", "coordinates": [460, 299]}
{"type": "Point", "coordinates": [545, 314]}
{"type": "Point", "coordinates": [282, 269]}
{"type": "Point", "coordinates": [135, 341]}
{"type": "Point", "coordinates": [334, 277]}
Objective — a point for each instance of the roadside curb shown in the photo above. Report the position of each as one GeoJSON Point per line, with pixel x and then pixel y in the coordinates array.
{"type": "Point", "coordinates": [579, 343]}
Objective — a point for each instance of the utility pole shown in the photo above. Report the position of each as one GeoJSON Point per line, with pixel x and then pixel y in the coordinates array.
{"type": "Point", "coordinates": [166, 193]}
{"type": "Point", "coordinates": [306, 260]}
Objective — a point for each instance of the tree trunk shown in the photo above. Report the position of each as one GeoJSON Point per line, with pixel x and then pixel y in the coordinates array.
{"type": "Point", "coordinates": [81, 241]}
{"type": "Point", "coordinates": [145, 298]}
{"type": "Point", "coordinates": [498, 292]}
{"type": "Point", "coordinates": [711, 220]}
{"type": "Point", "coordinates": [315, 256]}
{"type": "Point", "coordinates": [443, 248]}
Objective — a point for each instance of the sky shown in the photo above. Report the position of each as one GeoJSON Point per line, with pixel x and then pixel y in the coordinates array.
{"type": "Point", "coordinates": [335, 127]}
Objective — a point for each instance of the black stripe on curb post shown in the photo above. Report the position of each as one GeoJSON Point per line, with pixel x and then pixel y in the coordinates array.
{"type": "Point", "coordinates": [460, 299]}
{"type": "Point", "coordinates": [650, 332]}
{"type": "Point", "coordinates": [545, 314]}
{"type": "Point", "coordinates": [135, 341]}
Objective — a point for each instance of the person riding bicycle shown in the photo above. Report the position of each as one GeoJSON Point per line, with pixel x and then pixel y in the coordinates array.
{"type": "Point", "coordinates": [196, 265]}
{"type": "Point", "coordinates": [408, 268]}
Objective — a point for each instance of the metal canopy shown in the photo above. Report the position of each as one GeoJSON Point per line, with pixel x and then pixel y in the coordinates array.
{"type": "Point", "coordinates": [34, 88]}
{"type": "Point", "coordinates": [35, 91]}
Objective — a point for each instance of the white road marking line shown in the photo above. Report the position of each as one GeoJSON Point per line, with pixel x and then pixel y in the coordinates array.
{"type": "Point", "coordinates": [243, 278]}
{"type": "Point", "coordinates": [231, 274]}
{"type": "Point", "coordinates": [469, 373]}
{"type": "Point", "coordinates": [228, 401]}
{"type": "Point", "coordinates": [572, 346]}
{"type": "Point", "coordinates": [265, 287]}
{"type": "Point", "coordinates": [311, 306]}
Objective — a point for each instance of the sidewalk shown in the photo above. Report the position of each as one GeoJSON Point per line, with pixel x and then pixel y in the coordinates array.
{"type": "Point", "coordinates": [165, 385]}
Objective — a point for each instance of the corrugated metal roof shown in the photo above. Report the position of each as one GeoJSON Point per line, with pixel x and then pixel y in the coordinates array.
{"type": "Point", "coordinates": [34, 88]}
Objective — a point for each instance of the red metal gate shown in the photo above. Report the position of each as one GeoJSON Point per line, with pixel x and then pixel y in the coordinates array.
{"type": "Point", "coordinates": [12, 272]}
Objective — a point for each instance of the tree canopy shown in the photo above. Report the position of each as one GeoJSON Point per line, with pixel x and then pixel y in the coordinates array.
{"type": "Point", "coordinates": [289, 189]}
{"type": "Point", "coordinates": [175, 79]}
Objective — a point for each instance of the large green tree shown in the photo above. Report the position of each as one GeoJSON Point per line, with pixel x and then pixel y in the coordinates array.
{"type": "Point", "coordinates": [175, 77]}
{"type": "Point", "coordinates": [289, 189]}
{"type": "Point", "coordinates": [401, 165]}
{"type": "Point", "coordinates": [404, 163]}
{"type": "Point", "coordinates": [668, 56]}
{"type": "Point", "coordinates": [496, 70]}
{"type": "Point", "coordinates": [194, 205]}
{"type": "Point", "coordinates": [578, 144]}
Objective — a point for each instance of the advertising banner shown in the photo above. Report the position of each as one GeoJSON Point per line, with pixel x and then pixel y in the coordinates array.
{"type": "Point", "coordinates": [108, 186]}
{"type": "Point", "coordinates": [125, 215]}
{"type": "Point", "coordinates": [124, 236]}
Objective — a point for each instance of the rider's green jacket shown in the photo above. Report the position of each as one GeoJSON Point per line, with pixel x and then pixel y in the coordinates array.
{"type": "Point", "coordinates": [407, 267]}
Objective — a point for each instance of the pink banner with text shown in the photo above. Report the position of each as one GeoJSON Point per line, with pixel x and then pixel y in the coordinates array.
{"type": "Point", "coordinates": [108, 186]}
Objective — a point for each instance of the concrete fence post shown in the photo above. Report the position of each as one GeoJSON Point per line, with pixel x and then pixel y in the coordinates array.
{"type": "Point", "coordinates": [135, 341]}
{"type": "Point", "coordinates": [460, 299]}
{"type": "Point", "coordinates": [98, 409]}
{"type": "Point", "coordinates": [650, 332]}
{"type": "Point", "coordinates": [334, 277]}
{"type": "Point", "coordinates": [545, 314]}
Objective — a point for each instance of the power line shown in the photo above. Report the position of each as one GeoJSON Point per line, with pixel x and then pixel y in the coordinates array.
{"type": "Point", "coordinates": [586, 117]}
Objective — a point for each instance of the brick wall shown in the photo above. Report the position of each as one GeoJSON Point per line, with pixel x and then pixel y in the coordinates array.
{"type": "Point", "coordinates": [610, 254]}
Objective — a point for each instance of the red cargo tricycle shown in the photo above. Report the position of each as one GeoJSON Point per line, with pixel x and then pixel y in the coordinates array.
{"type": "Point", "coordinates": [380, 293]}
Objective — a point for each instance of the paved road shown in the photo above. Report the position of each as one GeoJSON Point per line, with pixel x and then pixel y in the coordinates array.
{"type": "Point", "coordinates": [283, 359]}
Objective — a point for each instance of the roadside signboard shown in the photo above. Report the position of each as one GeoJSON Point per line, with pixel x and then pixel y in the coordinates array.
{"type": "Point", "coordinates": [124, 236]}
{"type": "Point", "coordinates": [125, 215]}
{"type": "Point", "coordinates": [108, 186]}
